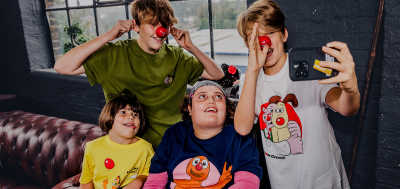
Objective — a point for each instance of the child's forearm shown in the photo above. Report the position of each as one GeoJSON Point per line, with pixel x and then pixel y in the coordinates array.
{"type": "Point", "coordinates": [71, 62]}
{"type": "Point", "coordinates": [211, 70]}
{"type": "Point", "coordinates": [244, 114]}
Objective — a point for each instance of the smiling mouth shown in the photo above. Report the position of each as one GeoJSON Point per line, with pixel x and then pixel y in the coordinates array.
{"type": "Point", "coordinates": [212, 110]}
{"type": "Point", "coordinates": [130, 125]}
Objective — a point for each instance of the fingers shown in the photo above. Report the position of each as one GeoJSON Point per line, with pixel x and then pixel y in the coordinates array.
{"type": "Point", "coordinates": [337, 79]}
{"type": "Point", "coordinates": [252, 41]}
{"type": "Point", "coordinates": [177, 33]}
{"type": "Point", "coordinates": [125, 25]}
{"type": "Point", "coordinates": [342, 47]}
{"type": "Point", "coordinates": [339, 50]}
{"type": "Point", "coordinates": [333, 65]}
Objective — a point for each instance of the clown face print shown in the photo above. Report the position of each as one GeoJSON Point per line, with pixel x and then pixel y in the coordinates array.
{"type": "Point", "coordinates": [280, 124]}
{"type": "Point", "coordinates": [200, 173]}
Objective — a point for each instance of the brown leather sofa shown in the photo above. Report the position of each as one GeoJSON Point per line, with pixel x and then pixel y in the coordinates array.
{"type": "Point", "coordinates": [38, 151]}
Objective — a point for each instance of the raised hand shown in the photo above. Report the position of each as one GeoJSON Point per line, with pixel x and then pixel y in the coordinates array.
{"type": "Point", "coordinates": [182, 37]}
{"type": "Point", "coordinates": [345, 66]}
{"type": "Point", "coordinates": [257, 57]}
{"type": "Point", "coordinates": [121, 27]}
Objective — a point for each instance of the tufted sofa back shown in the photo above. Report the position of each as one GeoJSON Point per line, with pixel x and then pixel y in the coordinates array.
{"type": "Point", "coordinates": [42, 150]}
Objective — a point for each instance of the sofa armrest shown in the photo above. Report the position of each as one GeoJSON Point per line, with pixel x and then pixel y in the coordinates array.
{"type": "Point", "coordinates": [69, 183]}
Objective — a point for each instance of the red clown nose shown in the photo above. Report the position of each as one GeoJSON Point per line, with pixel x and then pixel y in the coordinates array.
{"type": "Point", "coordinates": [161, 32]}
{"type": "Point", "coordinates": [264, 40]}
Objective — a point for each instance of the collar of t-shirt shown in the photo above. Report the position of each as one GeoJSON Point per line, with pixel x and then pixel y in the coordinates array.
{"type": "Point", "coordinates": [284, 72]}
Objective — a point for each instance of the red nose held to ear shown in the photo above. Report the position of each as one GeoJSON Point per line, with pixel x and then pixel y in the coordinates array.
{"type": "Point", "coordinates": [161, 32]}
{"type": "Point", "coordinates": [264, 40]}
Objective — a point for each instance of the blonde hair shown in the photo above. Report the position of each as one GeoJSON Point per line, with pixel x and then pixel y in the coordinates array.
{"type": "Point", "coordinates": [265, 12]}
{"type": "Point", "coordinates": [153, 12]}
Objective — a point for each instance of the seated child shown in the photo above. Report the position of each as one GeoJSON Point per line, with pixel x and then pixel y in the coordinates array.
{"type": "Point", "coordinates": [120, 158]}
{"type": "Point", "coordinates": [204, 151]}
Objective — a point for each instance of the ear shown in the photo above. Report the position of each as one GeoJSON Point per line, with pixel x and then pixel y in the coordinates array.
{"type": "Point", "coordinates": [136, 28]}
{"type": "Point", "coordinates": [285, 35]}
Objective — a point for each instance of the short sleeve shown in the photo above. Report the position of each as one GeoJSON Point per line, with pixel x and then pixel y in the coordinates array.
{"type": "Point", "coordinates": [87, 167]}
{"type": "Point", "coordinates": [159, 162]}
{"type": "Point", "coordinates": [323, 91]}
{"type": "Point", "coordinates": [97, 64]}
{"type": "Point", "coordinates": [192, 66]}
{"type": "Point", "coordinates": [149, 156]}
{"type": "Point", "coordinates": [249, 157]}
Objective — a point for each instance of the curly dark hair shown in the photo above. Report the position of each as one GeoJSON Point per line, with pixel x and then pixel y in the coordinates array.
{"type": "Point", "coordinates": [230, 110]}
{"type": "Point", "coordinates": [110, 110]}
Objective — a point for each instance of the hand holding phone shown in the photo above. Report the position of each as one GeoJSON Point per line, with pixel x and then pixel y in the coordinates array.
{"type": "Point", "coordinates": [304, 64]}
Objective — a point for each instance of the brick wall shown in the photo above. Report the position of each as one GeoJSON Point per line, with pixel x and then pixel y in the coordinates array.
{"type": "Point", "coordinates": [388, 147]}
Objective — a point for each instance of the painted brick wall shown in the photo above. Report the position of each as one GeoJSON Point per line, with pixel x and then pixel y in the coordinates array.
{"type": "Point", "coordinates": [388, 147]}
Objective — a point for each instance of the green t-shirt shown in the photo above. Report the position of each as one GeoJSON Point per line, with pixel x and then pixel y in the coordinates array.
{"type": "Point", "coordinates": [159, 81]}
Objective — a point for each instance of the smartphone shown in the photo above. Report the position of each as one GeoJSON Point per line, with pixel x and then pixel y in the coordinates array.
{"type": "Point", "coordinates": [304, 64]}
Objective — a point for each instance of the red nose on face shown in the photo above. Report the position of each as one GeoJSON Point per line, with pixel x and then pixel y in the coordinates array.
{"type": "Point", "coordinates": [161, 32]}
{"type": "Point", "coordinates": [269, 117]}
{"type": "Point", "coordinates": [198, 166]}
{"type": "Point", "coordinates": [264, 40]}
{"type": "Point", "coordinates": [280, 120]}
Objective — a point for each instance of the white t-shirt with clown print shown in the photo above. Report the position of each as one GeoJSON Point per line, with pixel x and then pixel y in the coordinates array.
{"type": "Point", "coordinates": [298, 141]}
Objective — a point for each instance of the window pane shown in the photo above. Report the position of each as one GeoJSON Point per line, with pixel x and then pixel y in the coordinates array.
{"type": "Point", "coordinates": [77, 3]}
{"type": "Point", "coordinates": [193, 16]}
{"type": "Point", "coordinates": [109, 16]}
{"type": "Point", "coordinates": [229, 47]}
{"type": "Point", "coordinates": [55, 4]}
{"type": "Point", "coordinates": [57, 22]}
{"type": "Point", "coordinates": [85, 19]}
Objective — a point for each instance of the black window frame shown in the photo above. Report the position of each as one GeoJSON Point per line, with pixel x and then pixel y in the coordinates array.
{"type": "Point", "coordinates": [97, 4]}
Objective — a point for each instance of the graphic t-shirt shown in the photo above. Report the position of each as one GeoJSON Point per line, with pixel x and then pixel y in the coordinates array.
{"type": "Point", "coordinates": [298, 141]}
{"type": "Point", "coordinates": [191, 162]}
{"type": "Point", "coordinates": [158, 80]}
{"type": "Point", "coordinates": [110, 165]}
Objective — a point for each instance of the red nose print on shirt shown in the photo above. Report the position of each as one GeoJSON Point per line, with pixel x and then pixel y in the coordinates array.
{"type": "Point", "coordinates": [161, 32]}
{"type": "Point", "coordinates": [198, 166]}
{"type": "Point", "coordinates": [280, 121]}
{"type": "Point", "coordinates": [264, 40]}
{"type": "Point", "coordinates": [109, 163]}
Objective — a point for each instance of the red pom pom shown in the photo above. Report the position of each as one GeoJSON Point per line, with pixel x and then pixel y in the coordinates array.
{"type": "Point", "coordinates": [161, 32]}
{"type": "Point", "coordinates": [232, 69]}
{"type": "Point", "coordinates": [109, 163]}
{"type": "Point", "coordinates": [264, 40]}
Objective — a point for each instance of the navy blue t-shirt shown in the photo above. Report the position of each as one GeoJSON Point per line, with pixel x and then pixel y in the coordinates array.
{"type": "Point", "coordinates": [193, 162]}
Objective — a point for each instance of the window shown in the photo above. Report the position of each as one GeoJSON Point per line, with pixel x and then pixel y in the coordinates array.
{"type": "Point", "coordinates": [211, 23]}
